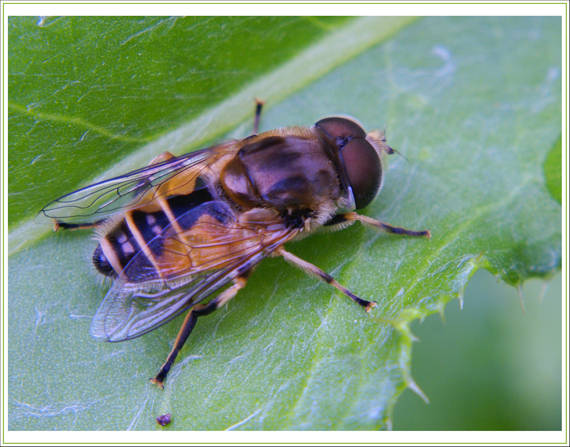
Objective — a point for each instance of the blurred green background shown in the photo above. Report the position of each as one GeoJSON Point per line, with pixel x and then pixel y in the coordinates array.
{"type": "Point", "coordinates": [486, 367]}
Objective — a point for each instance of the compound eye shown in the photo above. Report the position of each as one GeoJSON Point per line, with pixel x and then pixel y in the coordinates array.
{"type": "Point", "coordinates": [363, 169]}
{"type": "Point", "coordinates": [341, 130]}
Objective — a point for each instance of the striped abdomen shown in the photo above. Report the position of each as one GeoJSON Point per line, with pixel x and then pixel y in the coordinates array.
{"type": "Point", "coordinates": [135, 249]}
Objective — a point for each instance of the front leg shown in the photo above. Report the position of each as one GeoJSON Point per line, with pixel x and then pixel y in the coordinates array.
{"type": "Point", "coordinates": [378, 224]}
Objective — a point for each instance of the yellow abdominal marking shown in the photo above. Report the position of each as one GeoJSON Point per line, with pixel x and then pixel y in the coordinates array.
{"type": "Point", "coordinates": [140, 240]}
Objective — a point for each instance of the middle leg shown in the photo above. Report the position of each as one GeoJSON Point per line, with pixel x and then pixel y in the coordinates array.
{"type": "Point", "coordinates": [258, 107]}
{"type": "Point", "coordinates": [323, 276]}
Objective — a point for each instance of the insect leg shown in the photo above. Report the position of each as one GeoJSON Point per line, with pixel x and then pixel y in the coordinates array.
{"type": "Point", "coordinates": [311, 269]}
{"type": "Point", "coordinates": [384, 226]}
{"type": "Point", "coordinates": [205, 309]}
{"type": "Point", "coordinates": [190, 322]}
{"type": "Point", "coordinates": [183, 333]}
{"type": "Point", "coordinates": [74, 226]}
{"type": "Point", "coordinates": [160, 158]}
{"type": "Point", "coordinates": [258, 107]}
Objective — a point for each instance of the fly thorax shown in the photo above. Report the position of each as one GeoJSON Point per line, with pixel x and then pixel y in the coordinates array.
{"type": "Point", "coordinates": [282, 172]}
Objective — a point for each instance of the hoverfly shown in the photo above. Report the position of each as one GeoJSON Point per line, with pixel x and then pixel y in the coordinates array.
{"type": "Point", "coordinates": [184, 233]}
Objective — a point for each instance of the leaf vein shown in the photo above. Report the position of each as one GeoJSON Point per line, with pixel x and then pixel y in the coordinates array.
{"type": "Point", "coordinates": [76, 121]}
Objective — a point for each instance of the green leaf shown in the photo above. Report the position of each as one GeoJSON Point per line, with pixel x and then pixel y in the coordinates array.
{"type": "Point", "coordinates": [513, 383]}
{"type": "Point", "coordinates": [472, 103]}
{"type": "Point", "coordinates": [553, 171]}
{"type": "Point", "coordinates": [85, 91]}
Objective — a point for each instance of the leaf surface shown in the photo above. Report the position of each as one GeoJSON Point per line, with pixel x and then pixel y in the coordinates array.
{"type": "Point", "coordinates": [472, 103]}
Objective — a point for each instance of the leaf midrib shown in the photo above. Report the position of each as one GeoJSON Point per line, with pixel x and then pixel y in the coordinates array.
{"type": "Point", "coordinates": [312, 63]}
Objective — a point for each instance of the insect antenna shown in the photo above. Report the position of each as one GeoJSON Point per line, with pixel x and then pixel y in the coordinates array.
{"type": "Point", "coordinates": [397, 152]}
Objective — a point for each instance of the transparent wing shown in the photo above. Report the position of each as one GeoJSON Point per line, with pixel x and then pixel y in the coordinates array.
{"type": "Point", "coordinates": [93, 203]}
{"type": "Point", "coordinates": [127, 312]}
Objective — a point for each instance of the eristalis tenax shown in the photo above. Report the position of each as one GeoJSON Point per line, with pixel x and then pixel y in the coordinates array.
{"type": "Point", "coordinates": [184, 233]}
